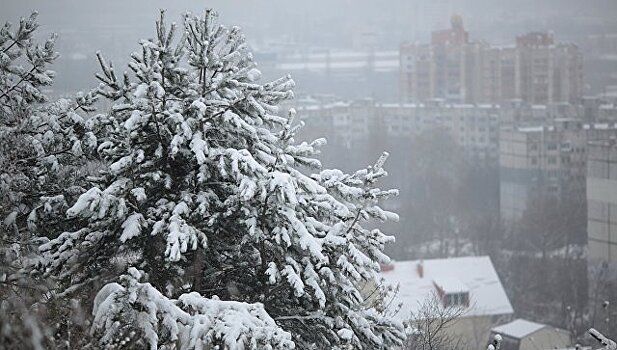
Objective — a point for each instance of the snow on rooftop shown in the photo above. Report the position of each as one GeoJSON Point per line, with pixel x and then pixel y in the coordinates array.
{"type": "Point", "coordinates": [314, 107]}
{"type": "Point", "coordinates": [488, 105]}
{"type": "Point", "coordinates": [598, 126]}
{"type": "Point", "coordinates": [461, 105]}
{"type": "Point", "coordinates": [601, 126]}
{"type": "Point", "coordinates": [475, 275]}
{"type": "Point", "coordinates": [518, 328]}
{"type": "Point", "coordinates": [450, 284]}
{"type": "Point", "coordinates": [504, 46]}
{"type": "Point", "coordinates": [381, 64]}
{"type": "Point", "coordinates": [310, 108]}
{"type": "Point", "coordinates": [400, 105]}
{"type": "Point", "coordinates": [531, 129]}
{"type": "Point", "coordinates": [608, 106]}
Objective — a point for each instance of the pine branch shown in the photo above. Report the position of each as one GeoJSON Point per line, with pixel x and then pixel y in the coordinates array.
{"type": "Point", "coordinates": [26, 160]}
{"type": "Point", "coordinates": [23, 78]}
{"type": "Point", "coordinates": [15, 42]}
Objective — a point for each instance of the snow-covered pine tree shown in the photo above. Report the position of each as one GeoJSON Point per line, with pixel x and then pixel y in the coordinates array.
{"type": "Point", "coordinates": [40, 151]}
{"type": "Point", "coordinates": [41, 143]}
{"type": "Point", "coordinates": [227, 242]}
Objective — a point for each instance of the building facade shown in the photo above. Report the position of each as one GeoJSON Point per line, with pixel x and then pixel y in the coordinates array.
{"type": "Point", "coordinates": [474, 127]}
{"type": "Point", "coordinates": [526, 335]}
{"type": "Point", "coordinates": [602, 201]}
{"type": "Point", "coordinates": [548, 72]}
{"type": "Point", "coordinates": [544, 160]}
{"type": "Point", "coordinates": [469, 285]}
{"type": "Point", "coordinates": [535, 70]}
{"type": "Point", "coordinates": [602, 234]}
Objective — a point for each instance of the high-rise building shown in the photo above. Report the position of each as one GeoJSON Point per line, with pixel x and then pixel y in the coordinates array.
{"type": "Point", "coordinates": [547, 72]}
{"type": "Point", "coordinates": [535, 70]}
{"type": "Point", "coordinates": [473, 127]}
{"type": "Point", "coordinates": [542, 161]}
{"type": "Point", "coordinates": [602, 230]}
{"type": "Point", "coordinates": [443, 69]}
{"type": "Point", "coordinates": [602, 201]}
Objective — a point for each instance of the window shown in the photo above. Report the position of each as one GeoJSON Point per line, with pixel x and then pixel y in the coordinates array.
{"type": "Point", "coordinates": [566, 146]}
{"type": "Point", "coordinates": [456, 299]}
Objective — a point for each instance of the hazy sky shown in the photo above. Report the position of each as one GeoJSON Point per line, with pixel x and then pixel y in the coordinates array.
{"type": "Point", "coordinates": [115, 26]}
{"type": "Point", "coordinates": [338, 17]}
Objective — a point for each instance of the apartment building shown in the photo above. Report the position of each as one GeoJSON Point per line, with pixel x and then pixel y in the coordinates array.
{"type": "Point", "coordinates": [535, 70]}
{"type": "Point", "coordinates": [447, 68]}
{"type": "Point", "coordinates": [549, 159]}
{"type": "Point", "coordinates": [602, 201]}
{"type": "Point", "coordinates": [547, 72]}
{"type": "Point", "coordinates": [474, 127]}
{"type": "Point", "coordinates": [602, 232]}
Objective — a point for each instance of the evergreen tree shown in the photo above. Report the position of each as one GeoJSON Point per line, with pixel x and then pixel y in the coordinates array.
{"type": "Point", "coordinates": [40, 153]}
{"type": "Point", "coordinates": [205, 230]}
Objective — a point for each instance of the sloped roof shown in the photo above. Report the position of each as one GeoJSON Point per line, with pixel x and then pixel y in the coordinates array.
{"type": "Point", "coordinates": [450, 284]}
{"type": "Point", "coordinates": [473, 274]}
{"type": "Point", "coordinates": [518, 328]}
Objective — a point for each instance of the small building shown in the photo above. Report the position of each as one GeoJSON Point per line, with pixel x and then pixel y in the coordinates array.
{"type": "Point", "coordinates": [469, 284]}
{"type": "Point", "coordinates": [526, 335]}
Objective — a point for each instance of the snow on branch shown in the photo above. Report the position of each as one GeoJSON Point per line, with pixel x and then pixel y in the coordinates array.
{"type": "Point", "coordinates": [608, 343]}
{"type": "Point", "coordinates": [190, 322]}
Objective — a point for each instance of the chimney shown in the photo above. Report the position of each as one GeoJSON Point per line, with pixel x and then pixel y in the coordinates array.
{"type": "Point", "coordinates": [386, 267]}
{"type": "Point", "coordinates": [420, 268]}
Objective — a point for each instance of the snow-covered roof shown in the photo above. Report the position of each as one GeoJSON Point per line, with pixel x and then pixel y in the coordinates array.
{"type": "Point", "coordinates": [314, 107]}
{"type": "Point", "coordinates": [518, 328]}
{"type": "Point", "coordinates": [475, 275]}
{"type": "Point", "coordinates": [400, 105]}
{"type": "Point", "coordinates": [535, 128]}
{"type": "Point", "coordinates": [488, 105]}
{"type": "Point", "coordinates": [608, 106]}
{"type": "Point", "coordinates": [539, 128]}
{"type": "Point", "coordinates": [603, 126]}
{"type": "Point", "coordinates": [450, 284]}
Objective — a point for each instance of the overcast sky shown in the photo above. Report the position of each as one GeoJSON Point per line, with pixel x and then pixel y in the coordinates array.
{"type": "Point", "coordinates": [115, 26]}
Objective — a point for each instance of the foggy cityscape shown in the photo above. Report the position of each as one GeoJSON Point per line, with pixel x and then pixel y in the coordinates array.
{"type": "Point", "coordinates": [420, 174]}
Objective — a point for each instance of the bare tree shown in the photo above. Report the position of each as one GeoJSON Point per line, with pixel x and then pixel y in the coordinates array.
{"type": "Point", "coordinates": [603, 293]}
{"type": "Point", "coordinates": [429, 327]}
